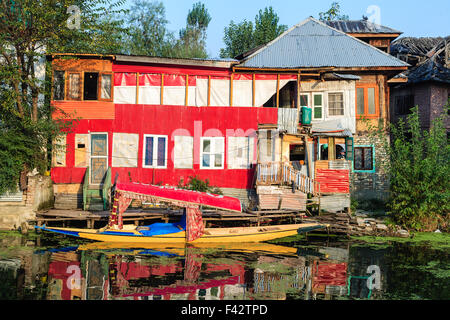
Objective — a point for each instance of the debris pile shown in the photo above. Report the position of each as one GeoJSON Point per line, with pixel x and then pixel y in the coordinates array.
{"type": "Point", "coordinates": [360, 225]}
{"type": "Point", "coordinates": [429, 58]}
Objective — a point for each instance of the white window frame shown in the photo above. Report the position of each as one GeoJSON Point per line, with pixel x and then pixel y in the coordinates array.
{"type": "Point", "coordinates": [313, 106]}
{"type": "Point", "coordinates": [155, 151]}
{"type": "Point", "coordinates": [328, 104]}
{"type": "Point", "coordinates": [93, 157]}
{"type": "Point", "coordinates": [212, 152]}
{"type": "Point", "coordinates": [308, 94]}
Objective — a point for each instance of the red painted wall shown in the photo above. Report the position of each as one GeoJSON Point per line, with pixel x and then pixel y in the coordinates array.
{"type": "Point", "coordinates": [164, 120]}
{"type": "Point", "coordinates": [333, 181]}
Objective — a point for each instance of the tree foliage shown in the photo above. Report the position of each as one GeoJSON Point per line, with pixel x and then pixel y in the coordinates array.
{"type": "Point", "coordinates": [242, 37]}
{"type": "Point", "coordinates": [334, 13]}
{"type": "Point", "coordinates": [192, 42]}
{"type": "Point", "coordinates": [28, 30]}
{"type": "Point", "coordinates": [419, 171]}
{"type": "Point", "coordinates": [147, 32]}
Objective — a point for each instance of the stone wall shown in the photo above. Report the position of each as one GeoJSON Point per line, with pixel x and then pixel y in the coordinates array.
{"type": "Point", "coordinates": [370, 185]}
{"type": "Point", "coordinates": [38, 195]}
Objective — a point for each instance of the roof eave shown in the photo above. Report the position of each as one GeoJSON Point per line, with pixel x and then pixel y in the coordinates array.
{"type": "Point", "coordinates": [176, 61]}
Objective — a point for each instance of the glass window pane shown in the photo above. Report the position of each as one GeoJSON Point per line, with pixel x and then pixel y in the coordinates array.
{"type": "Point", "coordinates": [58, 85]}
{"type": "Point", "coordinates": [304, 100]}
{"type": "Point", "coordinates": [74, 86]}
{"type": "Point", "coordinates": [368, 159]}
{"type": "Point", "coordinates": [318, 113]}
{"type": "Point", "coordinates": [336, 104]}
{"type": "Point", "coordinates": [371, 100]}
{"type": "Point", "coordinates": [360, 101]}
{"type": "Point", "coordinates": [218, 145]}
{"type": "Point", "coordinates": [318, 100]}
{"type": "Point", "coordinates": [218, 160]}
{"type": "Point", "coordinates": [105, 92]}
{"type": "Point", "coordinates": [206, 145]}
{"type": "Point", "coordinates": [358, 161]}
{"type": "Point", "coordinates": [99, 145]}
{"type": "Point", "coordinates": [149, 151]}
{"type": "Point", "coordinates": [161, 162]}
{"type": "Point", "coordinates": [206, 163]}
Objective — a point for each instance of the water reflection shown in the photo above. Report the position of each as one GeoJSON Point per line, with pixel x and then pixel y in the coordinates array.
{"type": "Point", "coordinates": [101, 271]}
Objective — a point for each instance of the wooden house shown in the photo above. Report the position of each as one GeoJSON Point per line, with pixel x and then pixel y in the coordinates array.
{"type": "Point", "coordinates": [236, 123]}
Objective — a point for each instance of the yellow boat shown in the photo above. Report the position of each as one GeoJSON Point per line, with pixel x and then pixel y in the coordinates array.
{"type": "Point", "coordinates": [133, 234]}
{"type": "Point", "coordinates": [179, 248]}
{"type": "Point", "coordinates": [167, 233]}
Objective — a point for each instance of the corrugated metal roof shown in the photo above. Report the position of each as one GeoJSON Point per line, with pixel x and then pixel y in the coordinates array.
{"type": "Point", "coordinates": [313, 44]}
{"type": "Point", "coordinates": [360, 26]}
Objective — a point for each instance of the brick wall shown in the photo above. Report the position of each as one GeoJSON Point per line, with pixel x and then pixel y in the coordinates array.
{"type": "Point", "coordinates": [438, 99]}
{"type": "Point", "coordinates": [430, 97]}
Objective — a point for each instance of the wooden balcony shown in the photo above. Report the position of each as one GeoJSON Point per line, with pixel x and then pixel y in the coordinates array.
{"type": "Point", "coordinates": [282, 173]}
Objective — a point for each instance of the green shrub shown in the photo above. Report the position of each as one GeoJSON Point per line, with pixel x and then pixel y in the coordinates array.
{"type": "Point", "coordinates": [419, 171]}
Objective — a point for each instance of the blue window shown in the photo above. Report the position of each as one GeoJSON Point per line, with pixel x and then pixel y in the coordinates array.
{"type": "Point", "coordinates": [155, 151]}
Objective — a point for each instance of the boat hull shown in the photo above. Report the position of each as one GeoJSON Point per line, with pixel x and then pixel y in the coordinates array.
{"type": "Point", "coordinates": [212, 235]}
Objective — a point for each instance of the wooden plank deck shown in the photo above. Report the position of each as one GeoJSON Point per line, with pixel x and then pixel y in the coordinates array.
{"type": "Point", "coordinates": [138, 216]}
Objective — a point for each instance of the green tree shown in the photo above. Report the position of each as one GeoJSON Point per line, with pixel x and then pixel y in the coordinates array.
{"type": "Point", "coordinates": [242, 37]}
{"type": "Point", "coordinates": [267, 26]}
{"type": "Point", "coordinates": [28, 30]}
{"type": "Point", "coordinates": [192, 42]}
{"type": "Point", "coordinates": [147, 30]}
{"type": "Point", "coordinates": [419, 172]}
{"type": "Point", "coordinates": [334, 13]}
{"type": "Point", "coordinates": [238, 39]}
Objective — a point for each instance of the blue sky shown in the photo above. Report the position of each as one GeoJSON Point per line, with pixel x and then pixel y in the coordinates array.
{"type": "Point", "coordinates": [415, 18]}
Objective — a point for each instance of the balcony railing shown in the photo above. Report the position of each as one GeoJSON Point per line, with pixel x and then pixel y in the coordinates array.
{"type": "Point", "coordinates": [277, 173]}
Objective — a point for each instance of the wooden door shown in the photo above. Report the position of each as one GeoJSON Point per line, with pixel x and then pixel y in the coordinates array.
{"type": "Point", "coordinates": [99, 157]}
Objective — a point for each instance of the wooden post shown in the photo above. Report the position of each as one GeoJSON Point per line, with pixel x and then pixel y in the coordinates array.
{"type": "Point", "coordinates": [187, 91]}
{"type": "Point", "coordinates": [209, 91]}
{"type": "Point", "coordinates": [162, 88]}
{"type": "Point", "coordinates": [298, 100]}
{"type": "Point", "coordinates": [278, 90]}
{"type": "Point", "coordinates": [253, 89]}
{"type": "Point", "coordinates": [137, 88]}
{"type": "Point", "coordinates": [231, 89]}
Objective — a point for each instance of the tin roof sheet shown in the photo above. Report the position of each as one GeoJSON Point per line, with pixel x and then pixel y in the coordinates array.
{"type": "Point", "coordinates": [361, 26]}
{"type": "Point", "coordinates": [313, 44]}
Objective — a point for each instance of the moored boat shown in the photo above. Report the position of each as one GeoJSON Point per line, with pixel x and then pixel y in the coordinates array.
{"type": "Point", "coordinates": [189, 229]}
{"type": "Point", "coordinates": [210, 235]}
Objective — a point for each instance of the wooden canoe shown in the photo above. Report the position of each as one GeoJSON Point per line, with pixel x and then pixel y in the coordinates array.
{"type": "Point", "coordinates": [179, 248]}
{"type": "Point", "coordinates": [130, 234]}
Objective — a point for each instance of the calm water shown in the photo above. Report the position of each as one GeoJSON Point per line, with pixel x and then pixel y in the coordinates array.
{"type": "Point", "coordinates": [51, 267]}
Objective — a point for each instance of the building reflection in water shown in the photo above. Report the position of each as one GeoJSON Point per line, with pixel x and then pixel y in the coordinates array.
{"type": "Point", "coordinates": [197, 274]}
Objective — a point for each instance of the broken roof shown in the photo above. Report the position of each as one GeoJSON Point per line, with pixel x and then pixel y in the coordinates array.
{"type": "Point", "coordinates": [313, 44]}
{"type": "Point", "coordinates": [430, 54]}
{"type": "Point", "coordinates": [361, 26]}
